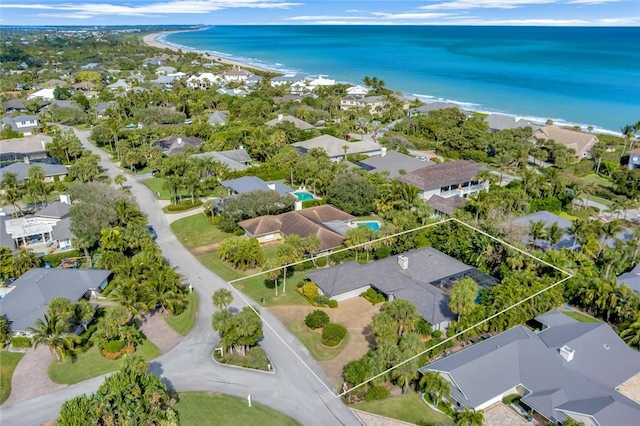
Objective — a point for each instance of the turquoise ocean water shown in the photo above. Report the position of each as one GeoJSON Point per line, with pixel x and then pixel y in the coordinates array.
{"type": "Point", "coordinates": [586, 76]}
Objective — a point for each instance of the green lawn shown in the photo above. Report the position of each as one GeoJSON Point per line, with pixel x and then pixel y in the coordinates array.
{"type": "Point", "coordinates": [157, 185]}
{"type": "Point", "coordinates": [409, 408]}
{"type": "Point", "coordinates": [197, 230]}
{"type": "Point", "coordinates": [142, 171]}
{"type": "Point", "coordinates": [598, 180]}
{"type": "Point", "coordinates": [312, 340]}
{"type": "Point", "coordinates": [580, 316]}
{"type": "Point", "coordinates": [567, 216]}
{"type": "Point", "coordinates": [8, 363]}
{"type": "Point", "coordinates": [204, 408]}
{"type": "Point", "coordinates": [184, 322]}
{"type": "Point", "coordinates": [221, 268]}
{"type": "Point", "coordinates": [600, 200]}
{"type": "Point", "coordinates": [91, 364]}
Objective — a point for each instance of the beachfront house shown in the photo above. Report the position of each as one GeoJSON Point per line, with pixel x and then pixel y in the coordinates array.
{"type": "Point", "coordinates": [28, 298]}
{"type": "Point", "coordinates": [498, 122]}
{"type": "Point", "coordinates": [634, 159]}
{"type": "Point", "coordinates": [581, 143]}
{"type": "Point", "coordinates": [433, 106]}
{"type": "Point", "coordinates": [337, 148]}
{"type": "Point", "coordinates": [424, 277]}
{"type": "Point", "coordinates": [236, 74]}
{"type": "Point", "coordinates": [327, 222]}
{"type": "Point", "coordinates": [374, 104]}
{"type": "Point", "coordinates": [564, 369]}
{"type": "Point", "coordinates": [287, 79]}
{"type": "Point", "coordinates": [299, 124]}
{"type": "Point", "coordinates": [452, 179]}
{"type": "Point", "coordinates": [358, 91]}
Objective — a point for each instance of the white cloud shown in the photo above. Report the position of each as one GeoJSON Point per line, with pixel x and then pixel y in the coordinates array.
{"type": "Point", "coordinates": [525, 22]}
{"type": "Point", "coordinates": [324, 18]}
{"type": "Point", "coordinates": [419, 15]}
{"type": "Point", "coordinates": [485, 4]}
{"type": "Point", "coordinates": [589, 2]}
{"type": "Point", "coordinates": [89, 10]}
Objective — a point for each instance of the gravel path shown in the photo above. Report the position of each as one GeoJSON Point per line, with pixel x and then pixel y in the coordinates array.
{"type": "Point", "coordinates": [30, 377]}
{"type": "Point", "coordinates": [159, 333]}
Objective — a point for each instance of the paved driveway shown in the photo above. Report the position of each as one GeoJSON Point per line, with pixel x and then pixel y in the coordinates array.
{"type": "Point", "coordinates": [299, 388]}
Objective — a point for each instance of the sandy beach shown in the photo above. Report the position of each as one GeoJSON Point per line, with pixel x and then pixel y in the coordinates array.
{"type": "Point", "coordinates": [152, 40]}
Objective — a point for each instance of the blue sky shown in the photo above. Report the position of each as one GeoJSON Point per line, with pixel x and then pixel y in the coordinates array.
{"type": "Point", "coordinates": [322, 12]}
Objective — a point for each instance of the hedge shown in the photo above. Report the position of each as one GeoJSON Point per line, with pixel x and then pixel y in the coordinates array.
{"type": "Point", "coordinates": [333, 303]}
{"type": "Point", "coordinates": [317, 319]}
{"type": "Point", "coordinates": [373, 296]}
{"type": "Point", "coordinates": [56, 259]}
{"type": "Point", "coordinates": [332, 334]}
{"type": "Point", "coordinates": [377, 392]}
{"type": "Point", "coordinates": [113, 346]}
{"type": "Point", "coordinates": [183, 205]}
{"type": "Point", "coordinates": [21, 342]}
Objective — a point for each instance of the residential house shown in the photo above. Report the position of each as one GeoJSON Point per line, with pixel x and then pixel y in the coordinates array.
{"type": "Point", "coordinates": [175, 144]}
{"type": "Point", "coordinates": [372, 103]}
{"type": "Point", "coordinates": [14, 105]}
{"type": "Point", "coordinates": [164, 81]}
{"type": "Point", "coordinates": [101, 109]}
{"type": "Point", "coordinates": [327, 222]}
{"type": "Point", "coordinates": [120, 85]}
{"type": "Point", "coordinates": [83, 86]}
{"type": "Point", "coordinates": [233, 92]}
{"type": "Point", "coordinates": [234, 159]}
{"type": "Point", "coordinates": [631, 278]}
{"type": "Point", "coordinates": [335, 147]}
{"type": "Point", "coordinates": [44, 94]}
{"type": "Point", "coordinates": [164, 70]}
{"type": "Point", "coordinates": [433, 106]}
{"type": "Point", "coordinates": [136, 78]}
{"type": "Point", "coordinates": [245, 184]}
{"type": "Point", "coordinates": [253, 80]}
{"type": "Point", "coordinates": [203, 81]}
{"type": "Point", "coordinates": [30, 148]}
{"type": "Point", "coordinates": [89, 66]}
{"type": "Point", "coordinates": [581, 143]}
{"type": "Point", "coordinates": [152, 62]}
{"type": "Point", "coordinates": [299, 124]}
{"type": "Point", "coordinates": [520, 227]}
{"type": "Point", "coordinates": [29, 296]}
{"type": "Point", "coordinates": [445, 206]}
{"type": "Point", "coordinates": [321, 81]}
{"type": "Point", "coordinates": [53, 83]}
{"type": "Point", "coordinates": [566, 369]}
{"type": "Point", "coordinates": [217, 118]}
{"type": "Point", "coordinates": [297, 98]}
{"type": "Point", "coordinates": [25, 124]}
{"type": "Point", "coordinates": [498, 122]}
{"type": "Point", "coordinates": [634, 159]}
{"type": "Point", "coordinates": [236, 74]}
{"type": "Point", "coordinates": [452, 179]}
{"type": "Point", "coordinates": [52, 172]}
{"type": "Point", "coordinates": [420, 276]}
{"type": "Point", "coordinates": [287, 79]}
{"type": "Point", "coordinates": [46, 231]}
{"type": "Point", "coordinates": [358, 91]}
{"type": "Point", "coordinates": [392, 163]}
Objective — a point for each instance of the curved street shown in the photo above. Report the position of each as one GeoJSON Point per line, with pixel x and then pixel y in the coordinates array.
{"type": "Point", "coordinates": [298, 388]}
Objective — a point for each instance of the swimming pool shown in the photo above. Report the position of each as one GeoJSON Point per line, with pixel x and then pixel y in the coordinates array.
{"type": "Point", "coordinates": [373, 224]}
{"type": "Point", "coordinates": [303, 195]}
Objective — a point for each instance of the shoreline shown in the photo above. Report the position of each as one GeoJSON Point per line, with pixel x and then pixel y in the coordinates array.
{"type": "Point", "coordinates": [157, 40]}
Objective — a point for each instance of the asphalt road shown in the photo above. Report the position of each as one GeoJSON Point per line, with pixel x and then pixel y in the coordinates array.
{"type": "Point", "coordinates": [298, 387]}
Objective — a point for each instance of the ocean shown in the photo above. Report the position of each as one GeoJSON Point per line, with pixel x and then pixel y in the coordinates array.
{"type": "Point", "coordinates": [573, 75]}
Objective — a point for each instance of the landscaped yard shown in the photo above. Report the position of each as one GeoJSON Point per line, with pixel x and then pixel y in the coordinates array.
{"type": "Point", "coordinates": [580, 316]}
{"type": "Point", "coordinates": [204, 408]}
{"type": "Point", "coordinates": [409, 408]}
{"type": "Point", "coordinates": [91, 364]}
{"type": "Point", "coordinates": [600, 200]}
{"type": "Point", "coordinates": [157, 186]}
{"type": "Point", "coordinates": [184, 322]}
{"type": "Point", "coordinates": [197, 230]}
{"type": "Point", "coordinates": [598, 180]}
{"type": "Point", "coordinates": [8, 363]}
{"type": "Point", "coordinates": [312, 340]}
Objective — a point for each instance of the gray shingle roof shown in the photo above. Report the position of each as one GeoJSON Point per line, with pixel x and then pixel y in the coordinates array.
{"type": "Point", "coordinates": [22, 170]}
{"type": "Point", "coordinates": [631, 278]}
{"type": "Point", "coordinates": [176, 144]}
{"type": "Point", "coordinates": [392, 162]}
{"type": "Point", "coordinates": [446, 205]}
{"type": "Point", "coordinates": [224, 159]}
{"type": "Point", "coordinates": [499, 122]}
{"type": "Point", "coordinates": [29, 299]}
{"type": "Point", "coordinates": [300, 124]}
{"type": "Point", "coordinates": [333, 146]}
{"type": "Point", "coordinates": [519, 356]}
{"type": "Point", "coordinates": [217, 117]}
{"type": "Point", "coordinates": [253, 183]}
{"type": "Point", "coordinates": [548, 219]}
{"type": "Point", "coordinates": [56, 210]}
{"type": "Point", "coordinates": [426, 265]}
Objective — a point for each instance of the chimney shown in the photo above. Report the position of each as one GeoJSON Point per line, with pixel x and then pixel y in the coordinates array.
{"type": "Point", "coordinates": [280, 117]}
{"type": "Point", "coordinates": [271, 186]}
{"type": "Point", "coordinates": [298, 205]}
{"type": "Point", "coordinates": [65, 198]}
{"type": "Point", "coordinates": [567, 353]}
{"type": "Point", "coordinates": [383, 151]}
{"type": "Point", "coordinates": [403, 261]}
{"type": "Point", "coordinates": [26, 160]}
{"type": "Point", "coordinates": [179, 141]}
{"type": "Point", "coordinates": [391, 297]}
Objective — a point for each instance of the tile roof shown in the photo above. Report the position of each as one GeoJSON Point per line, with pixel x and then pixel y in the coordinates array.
{"type": "Point", "coordinates": [446, 205]}
{"type": "Point", "coordinates": [445, 174]}
{"type": "Point", "coordinates": [578, 141]}
{"type": "Point", "coordinates": [300, 124]}
{"type": "Point", "coordinates": [34, 289]}
{"type": "Point", "coordinates": [333, 146]}
{"type": "Point", "coordinates": [585, 384]}
{"type": "Point", "coordinates": [303, 223]}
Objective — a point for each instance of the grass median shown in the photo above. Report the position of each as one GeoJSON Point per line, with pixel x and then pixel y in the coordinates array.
{"type": "Point", "coordinates": [8, 363]}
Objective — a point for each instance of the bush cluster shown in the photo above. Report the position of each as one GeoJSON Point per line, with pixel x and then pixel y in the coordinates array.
{"type": "Point", "coordinates": [377, 392]}
{"type": "Point", "coordinates": [317, 319]}
{"type": "Point", "coordinates": [332, 334]}
{"type": "Point", "coordinates": [21, 342]}
{"type": "Point", "coordinates": [183, 205]}
{"type": "Point", "coordinates": [333, 304]}
{"type": "Point", "coordinates": [373, 296]}
{"type": "Point", "coordinates": [114, 349]}
{"type": "Point", "coordinates": [56, 259]}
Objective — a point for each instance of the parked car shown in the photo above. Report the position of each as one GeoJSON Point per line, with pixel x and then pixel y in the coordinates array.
{"type": "Point", "coordinates": [152, 231]}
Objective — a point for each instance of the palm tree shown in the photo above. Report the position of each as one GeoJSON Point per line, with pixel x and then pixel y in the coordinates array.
{"type": "Point", "coordinates": [463, 297]}
{"type": "Point", "coordinates": [83, 312]}
{"type": "Point", "coordinates": [60, 307]}
{"type": "Point", "coordinates": [132, 296]}
{"type": "Point", "coordinates": [410, 344]}
{"type": "Point", "coordinates": [554, 234]}
{"type": "Point", "coordinates": [627, 133]}
{"type": "Point", "coordinates": [53, 331]}
{"type": "Point", "coordinates": [25, 259]}
{"type": "Point", "coordinates": [631, 334]}
{"type": "Point", "coordinates": [470, 417]}
{"type": "Point", "coordinates": [36, 186]}
{"type": "Point", "coordinates": [503, 161]}
{"type": "Point", "coordinates": [222, 298]}
{"type": "Point", "coordinates": [12, 191]}
{"type": "Point", "coordinates": [120, 180]}
{"type": "Point", "coordinates": [403, 315]}
{"type": "Point", "coordinates": [434, 386]}
{"type": "Point", "coordinates": [537, 231]}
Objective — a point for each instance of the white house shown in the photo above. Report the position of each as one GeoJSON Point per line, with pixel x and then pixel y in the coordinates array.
{"type": "Point", "coordinates": [25, 124]}
{"type": "Point", "coordinates": [452, 179]}
{"type": "Point", "coordinates": [46, 94]}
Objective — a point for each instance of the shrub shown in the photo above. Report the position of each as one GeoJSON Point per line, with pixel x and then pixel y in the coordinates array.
{"type": "Point", "coordinates": [55, 259]}
{"type": "Point", "coordinates": [113, 346]}
{"type": "Point", "coordinates": [322, 300]}
{"type": "Point", "coordinates": [373, 296]}
{"type": "Point", "coordinates": [332, 334]}
{"type": "Point", "coordinates": [321, 262]}
{"type": "Point", "coordinates": [382, 252]}
{"type": "Point", "coordinates": [333, 303]}
{"type": "Point", "coordinates": [317, 319]}
{"type": "Point", "coordinates": [300, 284]}
{"type": "Point", "coordinates": [310, 290]}
{"type": "Point", "coordinates": [424, 328]}
{"type": "Point", "coordinates": [21, 342]}
{"type": "Point", "coordinates": [377, 392]}
{"type": "Point", "coordinates": [313, 203]}
{"type": "Point", "coordinates": [183, 205]}
{"type": "Point", "coordinates": [437, 334]}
